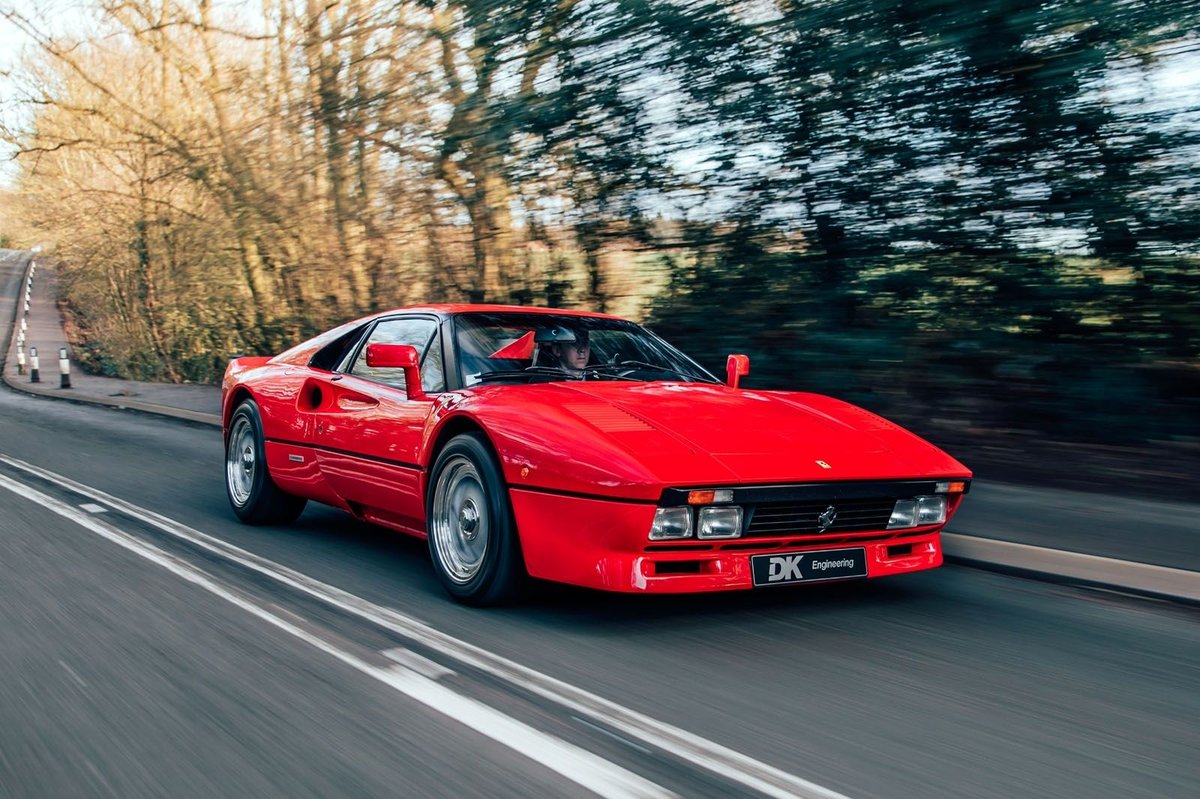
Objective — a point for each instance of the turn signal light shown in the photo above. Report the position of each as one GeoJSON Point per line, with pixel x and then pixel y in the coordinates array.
{"type": "Point", "coordinates": [709, 497]}
{"type": "Point", "coordinates": [952, 487]}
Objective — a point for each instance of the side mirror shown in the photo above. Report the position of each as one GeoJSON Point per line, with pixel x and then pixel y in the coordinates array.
{"type": "Point", "coordinates": [399, 356]}
{"type": "Point", "coordinates": [736, 367]}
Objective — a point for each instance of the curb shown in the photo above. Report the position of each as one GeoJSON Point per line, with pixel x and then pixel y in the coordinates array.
{"type": "Point", "coordinates": [122, 403]}
{"type": "Point", "coordinates": [1057, 565]}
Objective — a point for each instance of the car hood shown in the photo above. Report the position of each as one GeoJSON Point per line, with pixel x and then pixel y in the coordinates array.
{"type": "Point", "coordinates": [698, 434]}
{"type": "Point", "coordinates": [772, 436]}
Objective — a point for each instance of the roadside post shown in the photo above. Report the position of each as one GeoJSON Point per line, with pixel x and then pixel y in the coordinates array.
{"type": "Point", "coordinates": [64, 368]}
{"type": "Point", "coordinates": [20, 360]}
{"type": "Point", "coordinates": [34, 377]}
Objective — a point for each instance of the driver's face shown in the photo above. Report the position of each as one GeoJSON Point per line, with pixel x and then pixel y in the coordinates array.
{"type": "Point", "coordinates": [575, 356]}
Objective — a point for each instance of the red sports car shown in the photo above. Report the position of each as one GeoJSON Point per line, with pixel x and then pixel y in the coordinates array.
{"type": "Point", "coordinates": [580, 448]}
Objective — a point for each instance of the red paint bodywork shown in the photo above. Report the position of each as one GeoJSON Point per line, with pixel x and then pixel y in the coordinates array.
{"type": "Point", "coordinates": [585, 462]}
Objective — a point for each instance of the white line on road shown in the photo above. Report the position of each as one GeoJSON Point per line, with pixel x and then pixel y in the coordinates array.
{"type": "Point", "coordinates": [414, 662]}
{"type": "Point", "coordinates": [92, 507]}
{"type": "Point", "coordinates": [590, 771]}
{"type": "Point", "coordinates": [694, 749]}
{"type": "Point", "coordinates": [613, 735]}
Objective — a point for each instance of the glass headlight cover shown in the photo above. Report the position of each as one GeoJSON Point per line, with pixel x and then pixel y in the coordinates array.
{"type": "Point", "coordinates": [918, 511]}
{"type": "Point", "coordinates": [931, 510]}
{"type": "Point", "coordinates": [904, 514]}
{"type": "Point", "coordinates": [670, 523]}
{"type": "Point", "coordinates": [722, 522]}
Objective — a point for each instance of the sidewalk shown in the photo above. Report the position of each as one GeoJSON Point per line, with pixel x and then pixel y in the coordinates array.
{"type": "Point", "coordinates": [1150, 547]}
{"type": "Point", "coordinates": [44, 331]}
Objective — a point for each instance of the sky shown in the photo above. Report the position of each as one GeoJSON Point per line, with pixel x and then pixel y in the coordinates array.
{"type": "Point", "coordinates": [1173, 85]}
{"type": "Point", "coordinates": [60, 16]}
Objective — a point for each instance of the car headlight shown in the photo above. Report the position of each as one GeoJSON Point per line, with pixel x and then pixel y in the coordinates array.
{"type": "Point", "coordinates": [931, 510]}
{"type": "Point", "coordinates": [918, 511]}
{"type": "Point", "coordinates": [904, 514]}
{"type": "Point", "coordinates": [724, 522]}
{"type": "Point", "coordinates": [671, 523]}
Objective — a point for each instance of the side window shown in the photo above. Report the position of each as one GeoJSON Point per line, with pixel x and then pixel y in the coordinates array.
{"type": "Point", "coordinates": [333, 353]}
{"type": "Point", "coordinates": [418, 333]}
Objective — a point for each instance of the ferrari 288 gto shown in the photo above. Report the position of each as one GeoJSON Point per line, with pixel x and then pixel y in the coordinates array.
{"type": "Point", "coordinates": [579, 448]}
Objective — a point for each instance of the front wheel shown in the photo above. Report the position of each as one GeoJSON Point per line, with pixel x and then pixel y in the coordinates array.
{"type": "Point", "coordinates": [252, 493]}
{"type": "Point", "coordinates": [472, 537]}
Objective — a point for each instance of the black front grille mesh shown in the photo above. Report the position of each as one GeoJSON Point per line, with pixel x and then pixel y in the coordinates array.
{"type": "Point", "coordinates": [800, 518]}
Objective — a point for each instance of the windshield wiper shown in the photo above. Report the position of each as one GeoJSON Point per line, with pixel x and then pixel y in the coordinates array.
{"type": "Point", "coordinates": [527, 373]}
{"type": "Point", "coordinates": [632, 364]}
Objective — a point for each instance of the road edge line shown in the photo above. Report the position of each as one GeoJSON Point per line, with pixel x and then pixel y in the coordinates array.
{"type": "Point", "coordinates": [691, 747]}
{"type": "Point", "coordinates": [590, 771]}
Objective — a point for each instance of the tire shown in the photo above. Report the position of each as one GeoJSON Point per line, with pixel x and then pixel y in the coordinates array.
{"type": "Point", "coordinates": [473, 540]}
{"type": "Point", "coordinates": [252, 493]}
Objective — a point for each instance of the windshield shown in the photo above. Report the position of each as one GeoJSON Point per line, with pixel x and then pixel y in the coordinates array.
{"type": "Point", "coordinates": [523, 348]}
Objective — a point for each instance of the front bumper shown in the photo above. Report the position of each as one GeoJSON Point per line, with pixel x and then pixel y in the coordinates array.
{"type": "Point", "coordinates": [598, 543]}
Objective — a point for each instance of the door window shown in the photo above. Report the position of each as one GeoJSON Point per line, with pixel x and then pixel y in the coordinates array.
{"type": "Point", "coordinates": [417, 332]}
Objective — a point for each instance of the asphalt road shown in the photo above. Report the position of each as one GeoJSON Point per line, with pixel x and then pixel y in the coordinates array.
{"type": "Point", "coordinates": [135, 662]}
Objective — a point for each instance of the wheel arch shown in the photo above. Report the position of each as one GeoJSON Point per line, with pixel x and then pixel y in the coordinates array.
{"type": "Point", "coordinates": [449, 428]}
{"type": "Point", "coordinates": [236, 397]}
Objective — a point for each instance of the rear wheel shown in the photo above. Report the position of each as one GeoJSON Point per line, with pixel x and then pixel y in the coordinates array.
{"type": "Point", "coordinates": [472, 537]}
{"type": "Point", "coordinates": [252, 493]}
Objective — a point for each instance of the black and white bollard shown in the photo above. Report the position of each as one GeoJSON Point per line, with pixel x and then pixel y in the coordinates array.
{"type": "Point", "coordinates": [20, 360]}
{"type": "Point", "coordinates": [64, 368]}
{"type": "Point", "coordinates": [34, 377]}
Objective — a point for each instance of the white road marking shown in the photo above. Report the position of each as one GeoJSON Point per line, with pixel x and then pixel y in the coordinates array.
{"type": "Point", "coordinates": [590, 771]}
{"type": "Point", "coordinates": [613, 735]}
{"type": "Point", "coordinates": [418, 663]}
{"type": "Point", "coordinates": [92, 507]}
{"type": "Point", "coordinates": [694, 749]}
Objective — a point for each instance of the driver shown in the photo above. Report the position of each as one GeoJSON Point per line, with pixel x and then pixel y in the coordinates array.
{"type": "Point", "coordinates": [573, 356]}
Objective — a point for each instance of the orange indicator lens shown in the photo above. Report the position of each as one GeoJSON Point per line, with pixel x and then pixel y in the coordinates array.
{"type": "Point", "coordinates": [701, 497]}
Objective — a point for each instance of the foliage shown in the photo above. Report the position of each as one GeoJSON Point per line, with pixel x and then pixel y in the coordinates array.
{"type": "Point", "coordinates": [977, 211]}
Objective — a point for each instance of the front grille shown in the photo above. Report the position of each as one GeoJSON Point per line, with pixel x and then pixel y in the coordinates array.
{"type": "Point", "coordinates": [800, 518]}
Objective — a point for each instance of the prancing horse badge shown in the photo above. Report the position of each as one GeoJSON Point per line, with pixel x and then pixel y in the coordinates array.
{"type": "Point", "coordinates": [826, 518]}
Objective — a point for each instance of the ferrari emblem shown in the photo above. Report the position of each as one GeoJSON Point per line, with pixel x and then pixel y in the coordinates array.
{"type": "Point", "coordinates": [824, 465]}
{"type": "Point", "coordinates": [825, 520]}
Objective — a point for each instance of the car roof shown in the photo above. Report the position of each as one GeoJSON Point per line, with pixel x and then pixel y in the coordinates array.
{"type": "Point", "coordinates": [452, 309]}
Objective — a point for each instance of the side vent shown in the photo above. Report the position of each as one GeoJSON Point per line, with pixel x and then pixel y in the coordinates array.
{"type": "Point", "coordinates": [311, 396]}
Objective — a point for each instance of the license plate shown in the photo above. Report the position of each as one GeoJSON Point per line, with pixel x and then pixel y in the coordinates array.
{"type": "Point", "coordinates": [809, 567]}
